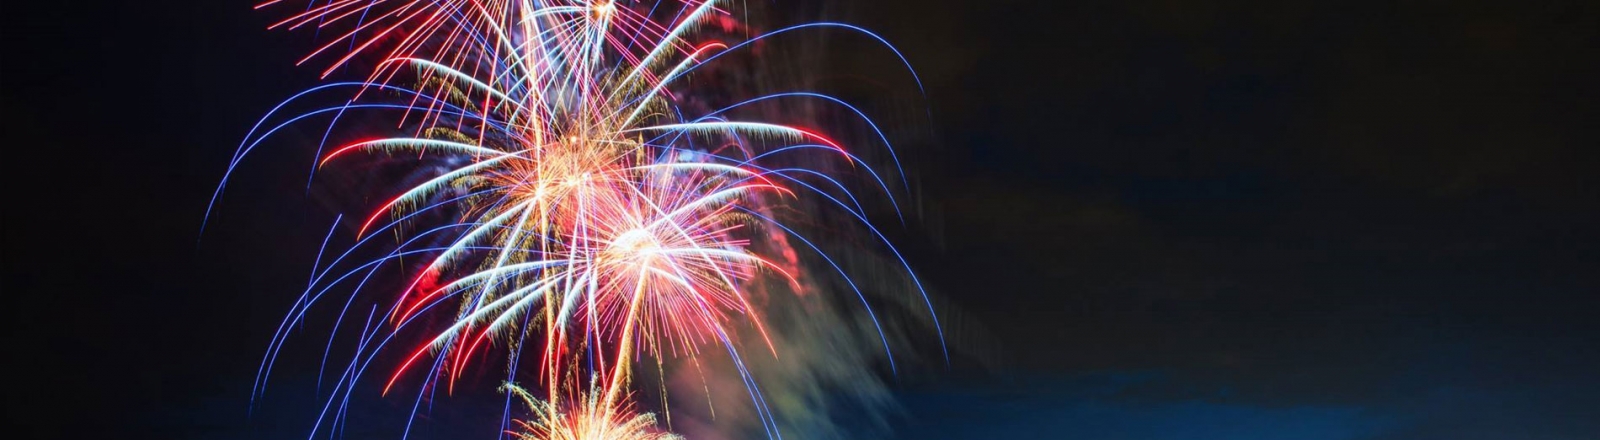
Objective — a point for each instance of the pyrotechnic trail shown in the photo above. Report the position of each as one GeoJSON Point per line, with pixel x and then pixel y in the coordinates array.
{"type": "Point", "coordinates": [588, 219]}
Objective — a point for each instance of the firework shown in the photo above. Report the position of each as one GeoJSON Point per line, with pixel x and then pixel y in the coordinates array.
{"type": "Point", "coordinates": [588, 216]}
{"type": "Point", "coordinates": [586, 417]}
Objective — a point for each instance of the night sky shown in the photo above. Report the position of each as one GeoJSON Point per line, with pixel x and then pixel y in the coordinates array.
{"type": "Point", "coordinates": [1155, 219]}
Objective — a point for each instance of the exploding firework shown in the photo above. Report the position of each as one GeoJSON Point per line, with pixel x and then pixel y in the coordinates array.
{"type": "Point", "coordinates": [586, 417]}
{"type": "Point", "coordinates": [587, 215]}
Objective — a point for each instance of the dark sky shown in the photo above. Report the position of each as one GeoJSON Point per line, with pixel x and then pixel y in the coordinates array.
{"type": "Point", "coordinates": [1159, 220]}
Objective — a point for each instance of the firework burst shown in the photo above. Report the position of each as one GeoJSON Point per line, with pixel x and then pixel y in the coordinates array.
{"type": "Point", "coordinates": [588, 216]}
{"type": "Point", "coordinates": [586, 417]}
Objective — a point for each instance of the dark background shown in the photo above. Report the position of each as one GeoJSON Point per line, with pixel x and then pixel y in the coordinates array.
{"type": "Point", "coordinates": [1179, 219]}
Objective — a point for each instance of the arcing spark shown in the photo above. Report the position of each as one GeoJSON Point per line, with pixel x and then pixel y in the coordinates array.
{"type": "Point", "coordinates": [591, 219]}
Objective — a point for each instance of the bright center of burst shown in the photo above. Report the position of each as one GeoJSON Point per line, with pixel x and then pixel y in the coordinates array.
{"type": "Point", "coordinates": [634, 243]}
